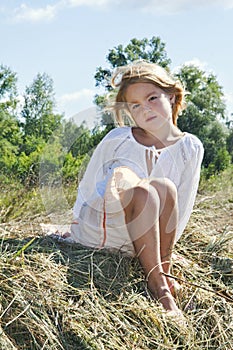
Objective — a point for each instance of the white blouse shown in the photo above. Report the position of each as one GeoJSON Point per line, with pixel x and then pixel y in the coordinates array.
{"type": "Point", "coordinates": [180, 162]}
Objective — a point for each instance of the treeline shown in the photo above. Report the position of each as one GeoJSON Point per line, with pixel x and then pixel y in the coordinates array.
{"type": "Point", "coordinates": [33, 137]}
{"type": "Point", "coordinates": [36, 142]}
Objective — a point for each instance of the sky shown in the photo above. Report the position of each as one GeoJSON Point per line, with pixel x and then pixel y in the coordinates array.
{"type": "Point", "coordinates": [69, 39]}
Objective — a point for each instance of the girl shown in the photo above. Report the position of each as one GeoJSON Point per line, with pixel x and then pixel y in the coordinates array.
{"type": "Point", "coordinates": [139, 187]}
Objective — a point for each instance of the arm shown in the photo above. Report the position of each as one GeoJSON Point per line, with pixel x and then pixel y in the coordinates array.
{"type": "Point", "coordinates": [187, 189]}
{"type": "Point", "coordinates": [90, 186]}
{"type": "Point", "coordinates": [87, 185]}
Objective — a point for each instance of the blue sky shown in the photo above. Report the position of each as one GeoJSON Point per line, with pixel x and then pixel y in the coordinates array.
{"type": "Point", "coordinates": [69, 39]}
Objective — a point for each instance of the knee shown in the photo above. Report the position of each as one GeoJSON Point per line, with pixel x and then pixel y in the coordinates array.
{"type": "Point", "coordinates": [146, 197]}
{"type": "Point", "coordinates": [136, 198]}
{"type": "Point", "coordinates": [171, 190]}
{"type": "Point", "coordinates": [166, 189]}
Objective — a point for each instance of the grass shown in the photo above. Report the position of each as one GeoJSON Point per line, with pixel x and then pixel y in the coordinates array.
{"type": "Point", "coordinates": [60, 296]}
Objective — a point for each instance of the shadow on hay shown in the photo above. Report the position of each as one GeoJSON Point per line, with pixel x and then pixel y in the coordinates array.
{"type": "Point", "coordinates": [86, 270]}
{"type": "Point", "coordinates": [75, 341]}
{"type": "Point", "coordinates": [106, 273]}
{"type": "Point", "coordinates": [110, 273]}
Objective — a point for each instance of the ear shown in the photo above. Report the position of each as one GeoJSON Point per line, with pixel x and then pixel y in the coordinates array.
{"type": "Point", "coordinates": [172, 98]}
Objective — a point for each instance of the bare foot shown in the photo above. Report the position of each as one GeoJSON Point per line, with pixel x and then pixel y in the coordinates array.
{"type": "Point", "coordinates": [174, 286]}
{"type": "Point", "coordinates": [164, 296]}
{"type": "Point", "coordinates": [168, 302]}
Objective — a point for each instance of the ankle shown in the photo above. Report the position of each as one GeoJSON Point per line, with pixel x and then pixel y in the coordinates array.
{"type": "Point", "coordinates": [158, 290]}
{"type": "Point", "coordinates": [168, 302]}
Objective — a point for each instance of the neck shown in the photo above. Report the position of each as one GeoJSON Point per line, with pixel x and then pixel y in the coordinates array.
{"type": "Point", "coordinates": [166, 135]}
{"type": "Point", "coordinates": [160, 138]}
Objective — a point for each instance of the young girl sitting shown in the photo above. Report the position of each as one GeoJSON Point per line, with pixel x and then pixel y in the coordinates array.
{"type": "Point", "coordinates": [139, 187]}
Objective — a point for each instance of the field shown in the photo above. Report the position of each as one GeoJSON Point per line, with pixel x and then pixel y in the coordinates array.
{"type": "Point", "coordinates": [62, 296]}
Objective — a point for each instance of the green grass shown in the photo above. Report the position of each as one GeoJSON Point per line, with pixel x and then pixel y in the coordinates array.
{"type": "Point", "coordinates": [60, 296]}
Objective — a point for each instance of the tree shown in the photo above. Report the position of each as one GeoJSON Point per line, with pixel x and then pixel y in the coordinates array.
{"type": "Point", "coordinates": [152, 50]}
{"type": "Point", "coordinates": [38, 117]}
{"type": "Point", "coordinates": [230, 143]}
{"type": "Point", "coordinates": [38, 123]}
{"type": "Point", "coordinates": [205, 114]}
{"type": "Point", "coordinates": [10, 140]}
{"type": "Point", "coordinates": [10, 135]}
{"type": "Point", "coordinates": [8, 89]}
{"type": "Point", "coordinates": [75, 139]}
{"type": "Point", "coordinates": [205, 93]}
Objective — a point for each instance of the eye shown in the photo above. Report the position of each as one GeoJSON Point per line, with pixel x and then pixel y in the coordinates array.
{"type": "Point", "coordinates": [152, 98]}
{"type": "Point", "coordinates": [135, 106]}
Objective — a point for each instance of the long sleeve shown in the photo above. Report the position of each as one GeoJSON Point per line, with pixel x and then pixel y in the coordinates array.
{"type": "Point", "coordinates": [187, 189]}
{"type": "Point", "coordinates": [87, 186]}
{"type": "Point", "coordinates": [98, 169]}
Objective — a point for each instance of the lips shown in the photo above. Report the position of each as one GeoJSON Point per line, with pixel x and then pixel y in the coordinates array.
{"type": "Point", "coordinates": [151, 118]}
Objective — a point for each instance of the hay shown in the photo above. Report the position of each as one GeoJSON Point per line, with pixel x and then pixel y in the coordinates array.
{"type": "Point", "coordinates": [64, 296]}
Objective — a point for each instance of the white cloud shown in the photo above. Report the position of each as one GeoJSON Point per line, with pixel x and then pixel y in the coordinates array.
{"type": "Point", "coordinates": [154, 4]}
{"type": "Point", "coordinates": [49, 12]}
{"type": "Point", "coordinates": [197, 63]}
{"type": "Point", "coordinates": [170, 7]}
{"type": "Point", "coordinates": [219, 3]}
{"type": "Point", "coordinates": [74, 102]}
{"type": "Point", "coordinates": [77, 96]}
{"type": "Point", "coordinates": [194, 62]}
{"type": "Point", "coordinates": [90, 3]}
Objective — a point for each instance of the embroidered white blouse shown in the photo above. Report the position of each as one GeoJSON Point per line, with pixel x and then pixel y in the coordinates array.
{"type": "Point", "coordinates": [180, 162]}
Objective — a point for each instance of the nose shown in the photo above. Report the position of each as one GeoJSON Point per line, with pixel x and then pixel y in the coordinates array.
{"type": "Point", "coordinates": [146, 108]}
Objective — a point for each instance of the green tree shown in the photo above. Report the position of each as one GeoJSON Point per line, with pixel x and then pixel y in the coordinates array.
{"type": "Point", "coordinates": [10, 140]}
{"type": "Point", "coordinates": [205, 114]}
{"type": "Point", "coordinates": [152, 50]}
{"type": "Point", "coordinates": [10, 135]}
{"type": "Point", "coordinates": [38, 117]}
{"type": "Point", "coordinates": [205, 94]}
{"type": "Point", "coordinates": [39, 122]}
{"type": "Point", "coordinates": [8, 89]}
{"type": "Point", "coordinates": [230, 143]}
{"type": "Point", "coordinates": [76, 139]}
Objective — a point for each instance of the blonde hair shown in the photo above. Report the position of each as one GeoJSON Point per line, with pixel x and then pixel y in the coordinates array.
{"type": "Point", "coordinates": [144, 72]}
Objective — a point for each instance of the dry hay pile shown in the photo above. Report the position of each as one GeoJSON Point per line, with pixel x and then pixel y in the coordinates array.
{"type": "Point", "coordinates": [60, 296]}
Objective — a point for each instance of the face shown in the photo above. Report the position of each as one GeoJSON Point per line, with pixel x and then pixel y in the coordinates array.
{"type": "Point", "coordinates": [149, 105]}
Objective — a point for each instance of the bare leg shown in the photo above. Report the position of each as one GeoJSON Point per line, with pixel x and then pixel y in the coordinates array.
{"type": "Point", "coordinates": [168, 221]}
{"type": "Point", "coordinates": [142, 210]}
